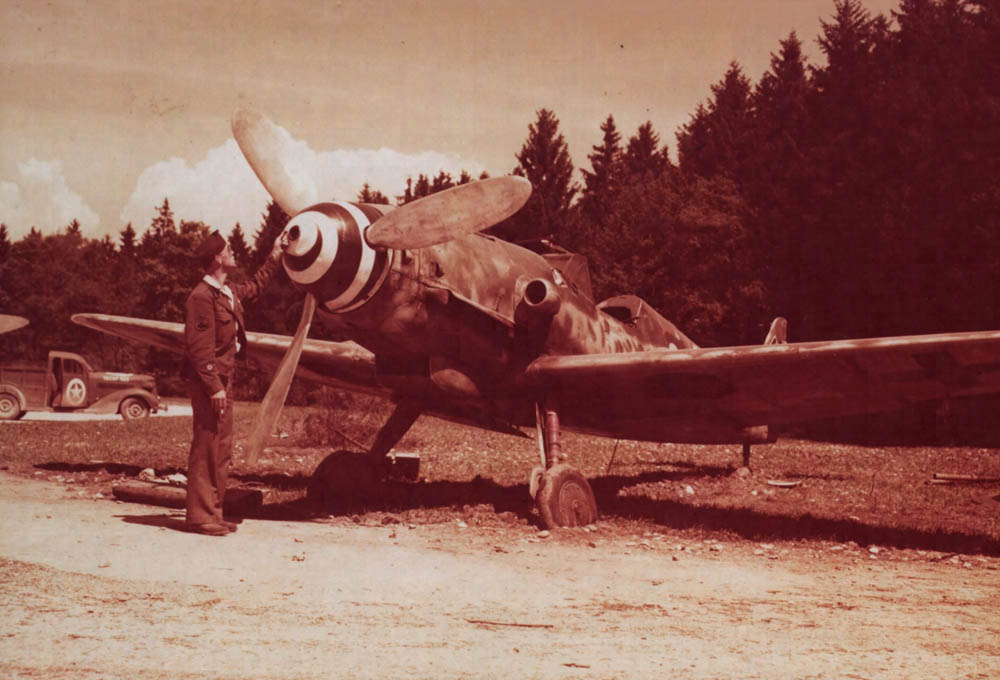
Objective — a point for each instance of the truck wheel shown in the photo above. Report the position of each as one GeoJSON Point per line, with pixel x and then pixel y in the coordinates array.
{"type": "Point", "coordinates": [10, 409]}
{"type": "Point", "coordinates": [133, 408]}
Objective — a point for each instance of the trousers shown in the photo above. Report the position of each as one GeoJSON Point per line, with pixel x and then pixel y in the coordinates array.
{"type": "Point", "coordinates": [208, 460]}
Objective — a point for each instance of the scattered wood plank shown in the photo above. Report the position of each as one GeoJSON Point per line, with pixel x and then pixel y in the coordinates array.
{"type": "Point", "coordinates": [238, 502]}
{"type": "Point", "coordinates": [952, 477]}
{"type": "Point", "coordinates": [483, 622]}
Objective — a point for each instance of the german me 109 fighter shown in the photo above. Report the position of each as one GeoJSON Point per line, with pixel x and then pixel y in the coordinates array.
{"type": "Point", "coordinates": [448, 321]}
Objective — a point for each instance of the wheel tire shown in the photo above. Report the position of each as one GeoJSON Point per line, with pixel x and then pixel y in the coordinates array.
{"type": "Point", "coordinates": [344, 480]}
{"type": "Point", "coordinates": [535, 481]}
{"type": "Point", "coordinates": [565, 498]}
{"type": "Point", "coordinates": [10, 409]}
{"type": "Point", "coordinates": [133, 408]}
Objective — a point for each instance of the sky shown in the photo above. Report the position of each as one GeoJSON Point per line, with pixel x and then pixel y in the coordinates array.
{"type": "Point", "coordinates": [109, 106]}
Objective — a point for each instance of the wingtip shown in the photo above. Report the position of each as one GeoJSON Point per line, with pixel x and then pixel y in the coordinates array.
{"type": "Point", "coordinates": [84, 319]}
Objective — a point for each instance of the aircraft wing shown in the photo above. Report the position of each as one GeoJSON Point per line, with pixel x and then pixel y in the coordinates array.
{"type": "Point", "coordinates": [344, 364]}
{"type": "Point", "coordinates": [779, 384]}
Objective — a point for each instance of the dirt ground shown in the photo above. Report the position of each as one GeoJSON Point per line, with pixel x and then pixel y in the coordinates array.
{"type": "Point", "coordinates": [93, 588]}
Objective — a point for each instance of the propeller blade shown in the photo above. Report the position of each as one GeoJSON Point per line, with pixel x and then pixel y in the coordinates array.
{"type": "Point", "coordinates": [271, 152]}
{"type": "Point", "coordinates": [10, 323]}
{"type": "Point", "coordinates": [270, 408]}
{"type": "Point", "coordinates": [449, 214]}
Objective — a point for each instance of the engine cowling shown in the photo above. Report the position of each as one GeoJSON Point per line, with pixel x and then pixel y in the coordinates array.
{"type": "Point", "coordinates": [328, 256]}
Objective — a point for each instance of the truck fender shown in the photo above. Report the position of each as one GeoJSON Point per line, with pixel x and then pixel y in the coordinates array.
{"type": "Point", "coordinates": [7, 388]}
{"type": "Point", "coordinates": [110, 402]}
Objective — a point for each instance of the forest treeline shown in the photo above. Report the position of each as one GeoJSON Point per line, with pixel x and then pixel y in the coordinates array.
{"type": "Point", "coordinates": [857, 198]}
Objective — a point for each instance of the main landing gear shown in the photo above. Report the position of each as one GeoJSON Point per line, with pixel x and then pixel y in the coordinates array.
{"type": "Point", "coordinates": [348, 479]}
{"type": "Point", "coordinates": [563, 495]}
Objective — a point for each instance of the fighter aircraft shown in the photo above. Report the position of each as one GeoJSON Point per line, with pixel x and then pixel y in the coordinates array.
{"type": "Point", "coordinates": [10, 323]}
{"type": "Point", "coordinates": [446, 320]}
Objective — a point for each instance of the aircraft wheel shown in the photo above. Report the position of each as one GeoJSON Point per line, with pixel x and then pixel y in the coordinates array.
{"type": "Point", "coordinates": [344, 480]}
{"type": "Point", "coordinates": [133, 409]}
{"type": "Point", "coordinates": [565, 498]}
{"type": "Point", "coordinates": [10, 409]}
{"type": "Point", "coordinates": [535, 481]}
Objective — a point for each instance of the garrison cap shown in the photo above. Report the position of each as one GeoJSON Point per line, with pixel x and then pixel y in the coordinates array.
{"type": "Point", "coordinates": [213, 244]}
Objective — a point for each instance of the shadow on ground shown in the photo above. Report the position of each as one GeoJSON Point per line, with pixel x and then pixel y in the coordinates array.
{"type": "Point", "coordinates": [348, 488]}
{"type": "Point", "coordinates": [171, 521]}
{"type": "Point", "coordinates": [346, 494]}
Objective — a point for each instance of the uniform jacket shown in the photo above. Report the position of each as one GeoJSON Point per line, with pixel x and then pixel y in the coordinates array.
{"type": "Point", "coordinates": [213, 327]}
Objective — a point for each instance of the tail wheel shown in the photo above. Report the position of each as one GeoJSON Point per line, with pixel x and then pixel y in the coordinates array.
{"type": "Point", "coordinates": [10, 409]}
{"type": "Point", "coordinates": [565, 498]}
{"type": "Point", "coordinates": [133, 408]}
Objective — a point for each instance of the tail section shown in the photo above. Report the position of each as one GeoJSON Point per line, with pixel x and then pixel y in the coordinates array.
{"type": "Point", "coordinates": [778, 335]}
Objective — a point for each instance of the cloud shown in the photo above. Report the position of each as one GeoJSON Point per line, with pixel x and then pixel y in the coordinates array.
{"type": "Point", "coordinates": [222, 190]}
{"type": "Point", "coordinates": [40, 197]}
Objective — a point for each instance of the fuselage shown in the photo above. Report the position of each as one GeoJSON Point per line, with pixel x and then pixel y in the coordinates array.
{"type": "Point", "coordinates": [455, 325]}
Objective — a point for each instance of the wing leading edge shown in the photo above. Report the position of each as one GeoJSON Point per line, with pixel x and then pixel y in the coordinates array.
{"type": "Point", "coordinates": [344, 364]}
{"type": "Point", "coordinates": [782, 383]}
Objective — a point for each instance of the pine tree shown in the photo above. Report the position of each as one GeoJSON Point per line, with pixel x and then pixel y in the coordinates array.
{"type": "Point", "coordinates": [604, 178]}
{"type": "Point", "coordinates": [4, 243]}
{"type": "Point", "coordinates": [545, 161]}
{"type": "Point", "coordinates": [842, 246]}
{"type": "Point", "coordinates": [779, 179]}
{"type": "Point", "coordinates": [441, 182]}
{"type": "Point", "coordinates": [73, 230]}
{"type": "Point", "coordinates": [164, 220]}
{"type": "Point", "coordinates": [679, 242]}
{"type": "Point", "coordinates": [717, 139]}
{"type": "Point", "coordinates": [369, 195]}
{"type": "Point", "coordinates": [274, 221]}
{"type": "Point", "coordinates": [241, 251]}
{"type": "Point", "coordinates": [415, 190]}
{"type": "Point", "coordinates": [422, 187]}
{"type": "Point", "coordinates": [270, 310]}
{"type": "Point", "coordinates": [126, 240]}
{"type": "Point", "coordinates": [643, 154]}
{"type": "Point", "coordinates": [5, 273]}
{"type": "Point", "coordinates": [407, 194]}
{"type": "Point", "coordinates": [693, 140]}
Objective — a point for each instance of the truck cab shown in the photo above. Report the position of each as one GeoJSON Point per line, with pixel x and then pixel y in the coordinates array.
{"type": "Point", "coordinates": [68, 383]}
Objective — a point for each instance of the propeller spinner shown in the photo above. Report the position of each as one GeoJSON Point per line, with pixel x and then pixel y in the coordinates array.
{"type": "Point", "coordinates": [328, 256]}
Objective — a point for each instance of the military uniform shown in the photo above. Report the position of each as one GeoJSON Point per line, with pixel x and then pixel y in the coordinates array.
{"type": "Point", "coordinates": [215, 338]}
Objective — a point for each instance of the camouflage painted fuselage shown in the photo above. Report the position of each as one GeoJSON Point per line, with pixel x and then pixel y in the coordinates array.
{"type": "Point", "coordinates": [455, 325]}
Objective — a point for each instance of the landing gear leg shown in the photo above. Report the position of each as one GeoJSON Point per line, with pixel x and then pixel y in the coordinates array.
{"type": "Point", "coordinates": [345, 479]}
{"type": "Point", "coordinates": [399, 423]}
{"type": "Point", "coordinates": [563, 495]}
{"type": "Point", "coordinates": [746, 455]}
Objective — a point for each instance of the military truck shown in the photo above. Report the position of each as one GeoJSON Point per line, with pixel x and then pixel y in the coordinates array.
{"type": "Point", "coordinates": [68, 384]}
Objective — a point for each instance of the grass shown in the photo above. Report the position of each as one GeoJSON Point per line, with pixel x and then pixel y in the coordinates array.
{"type": "Point", "coordinates": [870, 494]}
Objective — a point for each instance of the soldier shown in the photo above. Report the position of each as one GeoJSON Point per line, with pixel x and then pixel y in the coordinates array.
{"type": "Point", "coordinates": [214, 338]}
